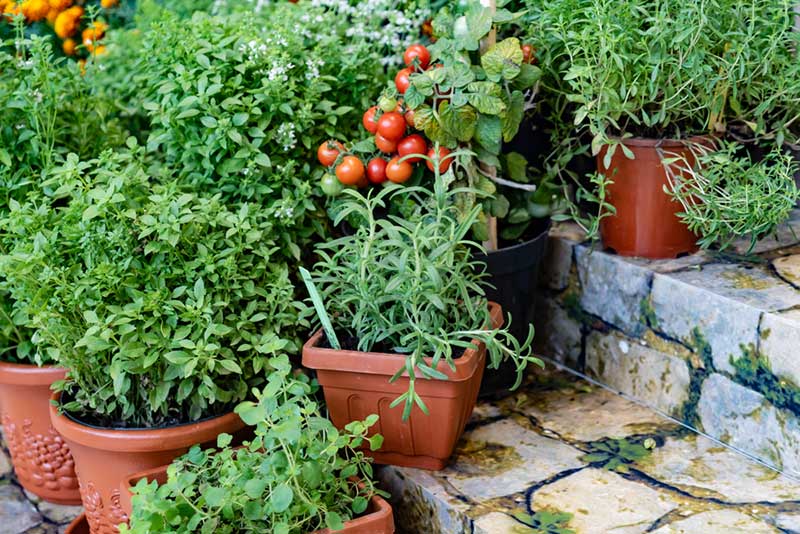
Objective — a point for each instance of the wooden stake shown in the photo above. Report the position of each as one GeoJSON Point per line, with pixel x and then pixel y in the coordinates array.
{"type": "Point", "coordinates": [491, 244]}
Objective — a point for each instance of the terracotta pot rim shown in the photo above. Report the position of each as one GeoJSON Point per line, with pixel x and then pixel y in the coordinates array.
{"type": "Point", "coordinates": [142, 440]}
{"type": "Point", "coordinates": [29, 374]}
{"type": "Point", "coordinates": [386, 364]}
{"type": "Point", "coordinates": [651, 142]}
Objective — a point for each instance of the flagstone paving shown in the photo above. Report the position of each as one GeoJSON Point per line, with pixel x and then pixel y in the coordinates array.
{"type": "Point", "coordinates": [561, 456]}
{"type": "Point", "coordinates": [567, 457]}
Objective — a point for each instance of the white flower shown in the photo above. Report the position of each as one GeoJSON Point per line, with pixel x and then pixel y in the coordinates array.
{"type": "Point", "coordinates": [286, 135]}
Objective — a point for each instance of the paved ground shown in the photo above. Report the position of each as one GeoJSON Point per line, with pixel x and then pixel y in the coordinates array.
{"type": "Point", "coordinates": [562, 457]}
{"type": "Point", "coordinates": [566, 457]}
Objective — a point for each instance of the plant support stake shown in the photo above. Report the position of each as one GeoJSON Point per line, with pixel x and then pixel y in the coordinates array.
{"type": "Point", "coordinates": [491, 171]}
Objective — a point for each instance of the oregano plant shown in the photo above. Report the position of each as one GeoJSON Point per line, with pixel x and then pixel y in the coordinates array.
{"type": "Point", "coordinates": [300, 474]}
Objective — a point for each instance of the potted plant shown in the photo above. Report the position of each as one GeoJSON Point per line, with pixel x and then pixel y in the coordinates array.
{"type": "Point", "coordinates": [299, 475]}
{"type": "Point", "coordinates": [642, 88]}
{"type": "Point", "coordinates": [164, 305]}
{"type": "Point", "coordinates": [406, 323]}
{"type": "Point", "coordinates": [48, 109]}
{"type": "Point", "coordinates": [466, 90]}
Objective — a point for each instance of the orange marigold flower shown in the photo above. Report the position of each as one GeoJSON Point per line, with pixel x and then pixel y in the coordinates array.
{"type": "Point", "coordinates": [108, 4]}
{"type": "Point", "coordinates": [60, 5]}
{"type": "Point", "coordinates": [35, 10]}
{"type": "Point", "coordinates": [68, 46]}
{"type": "Point", "coordinates": [93, 33]}
{"type": "Point", "coordinates": [52, 15]}
{"type": "Point", "coordinates": [67, 22]}
{"type": "Point", "coordinates": [11, 9]}
{"type": "Point", "coordinates": [100, 50]}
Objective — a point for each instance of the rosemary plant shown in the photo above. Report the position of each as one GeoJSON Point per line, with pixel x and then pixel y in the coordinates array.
{"type": "Point", "coordinates": [410, 286]}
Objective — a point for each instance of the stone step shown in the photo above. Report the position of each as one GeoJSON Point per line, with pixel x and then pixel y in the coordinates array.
{"type": "Point", "coordinates": [712, 340]}
{"type": "Point", "coordinates": [566, 457]}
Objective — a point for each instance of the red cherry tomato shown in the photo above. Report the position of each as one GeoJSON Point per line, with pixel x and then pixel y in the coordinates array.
{"type": "Point", "coordinates": [413, 144]}
{"type": "Point", "coordinates": [376, 170]}
{"type": "Point", "coordinates": [328, 152]}
{"type": "Point", "coordinates": [392, 126]}
{"type": "Point", "coordinates": [350, 171]}
{"type": "Point", "coordinates": [527, 53]}
{"type": "Point", "coordinates": [397, 171]}
{"type": "Point", "coordinates": [387, 146]}
{"type": "Point", "coordinates": [410, 118]}
{"type": "Point", "coordinates": [401, 81]}
{"type": "Point", "coordinates": [369, 121]}
{"type": "Point", "coordinates": [418, 52]}
{"type": "Point", "coordinates": [444, 164]}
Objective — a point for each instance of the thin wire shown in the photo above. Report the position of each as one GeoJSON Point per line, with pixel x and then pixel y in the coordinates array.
{"type": "Point", "coordinates": [677, 421]}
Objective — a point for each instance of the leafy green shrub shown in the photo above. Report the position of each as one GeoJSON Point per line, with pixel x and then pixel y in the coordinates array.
{"type": "Point", "coordinates": [49, 109]}
{"type": "Point", "coordinates": [409, 285]}
{"type": "Point", "coordinates": [294, 478]}
{"type": "Point", "coordinates": [236, 104]}
{"type": "Point", "coordinates": [165, 305]}
{"type": "Point", "coordinates": [730, 196]}
{"type": "Point", "coordinates": [666, 69]}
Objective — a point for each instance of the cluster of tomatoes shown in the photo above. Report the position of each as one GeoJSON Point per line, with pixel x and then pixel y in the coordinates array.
{"type": "Point", "coordinates": [395, 137]}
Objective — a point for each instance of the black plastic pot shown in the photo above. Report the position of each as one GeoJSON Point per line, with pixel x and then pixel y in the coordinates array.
{"type": "Point", "coordinates": [514, 275]}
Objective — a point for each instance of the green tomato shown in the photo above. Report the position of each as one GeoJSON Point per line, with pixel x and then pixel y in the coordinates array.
{"type": "Point", "coordinates": [387, 104]}
{"type": "Point", "coordinates": [331, 185]}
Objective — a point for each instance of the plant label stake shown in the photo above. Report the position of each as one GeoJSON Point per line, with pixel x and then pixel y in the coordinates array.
{"type": "Point", "coordinates": [491, 40]}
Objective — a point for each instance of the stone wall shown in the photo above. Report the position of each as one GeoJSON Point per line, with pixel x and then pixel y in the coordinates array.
{"type": "Point", "coordinates": [710, 339]}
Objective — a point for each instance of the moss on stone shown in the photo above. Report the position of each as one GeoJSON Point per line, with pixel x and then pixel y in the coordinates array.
{"type": "Point", "coordinates": [701, 366]}
{"type": "Point", "coordinates": [572, 304]}
{"type": "Point", "coordinates": [544, 522]}
{"type": "Point", "coordinates": [648, 313]}
{"type": "Point", "coordinates": [753, 371]}
{"type": "Point", "coordinates": [745, 281]}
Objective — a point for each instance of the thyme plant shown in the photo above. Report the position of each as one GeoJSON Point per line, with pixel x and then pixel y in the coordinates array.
{"type": "Point", "coordinates": [409, 284]}
{"type": "Point", "coordinates": [298, 475]}
{"type": "Point", "coordinates": [728, 196]}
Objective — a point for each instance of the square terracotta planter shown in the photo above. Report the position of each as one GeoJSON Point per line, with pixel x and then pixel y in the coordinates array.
{"type": "Point", "coordinates": [356, 384]}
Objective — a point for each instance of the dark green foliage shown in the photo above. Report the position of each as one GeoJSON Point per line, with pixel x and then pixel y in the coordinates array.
{"type": "Point", "coordinates": [753, 371]}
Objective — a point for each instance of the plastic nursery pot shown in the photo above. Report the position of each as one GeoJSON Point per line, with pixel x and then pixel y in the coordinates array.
{"type": "Point", "coordinates": [356, 384]}
{"type": "Point", "coordinates": [105, 457]}
{"type": "Point", "coordinates": [514, 279]}
{"type": "Point", "coordinates": [645, 223]}
{"type": "Point", "coordinates": [41, 458]}
{"type": "Point", "coordinates": [378, 518]}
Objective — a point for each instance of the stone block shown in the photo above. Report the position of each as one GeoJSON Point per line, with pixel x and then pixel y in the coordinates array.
{"type": "Point", "coordinates": [602, 502]}
{"type": "Point", "coordinates": [679, 307]}
{"type": "Point", "coordinates": [656, 378]}
{"type": "Point", "coordinates": [780, 345]}
{"type": "Point", "coordinates": [704, 469]}
{"type": "Point", "coordinates": [503, 458]}
{"type": "Point", "coordinates": [613, 289]}
{"type": "Point", "coordinates": [754, 286]}
{"type": "Point", "coordinates": [744, 419]}
{"type": "Point", "coordinates": [718, 522]}
{"type": "Point", "coordinates": [558, 336]}
{"type": "Point", "coordinates": [557, 264]}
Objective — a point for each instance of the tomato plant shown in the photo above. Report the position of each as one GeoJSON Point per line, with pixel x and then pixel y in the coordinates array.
{"type": "Point", "coordinates": [392, 126]}
{"type": "Point", "coordinates": [376, 171]}
{"type": "Point", "coordinates": [328, 152]}
{"type": "Point", "coordinates": [413, 144]}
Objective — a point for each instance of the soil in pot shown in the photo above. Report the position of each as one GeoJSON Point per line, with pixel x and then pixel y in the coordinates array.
{"type": "Point", "coordinates": [377, 519]}
{"type": "Point", "coordinates": [646, 223]}
{"type": "Point", "coordinates": [514, 277]}
{"type": "Point", "coordinates": [41, 458]}
{"type": "Point", "coordinates": [104, 458]}
{"type": "Point", "coordinates": [356, 384]}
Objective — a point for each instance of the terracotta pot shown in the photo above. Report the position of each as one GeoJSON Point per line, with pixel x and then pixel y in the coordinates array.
{"type": "Point", "coordinates": [356, 384]}
{"type": "Point", "coordinates": [41, 458]}
{"type": "Point", "coordinates": [378, 518]}
{"type": "Point", "coordinates": [646, 223]}
{"type": "Point", "coordinates": [105, 457]}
